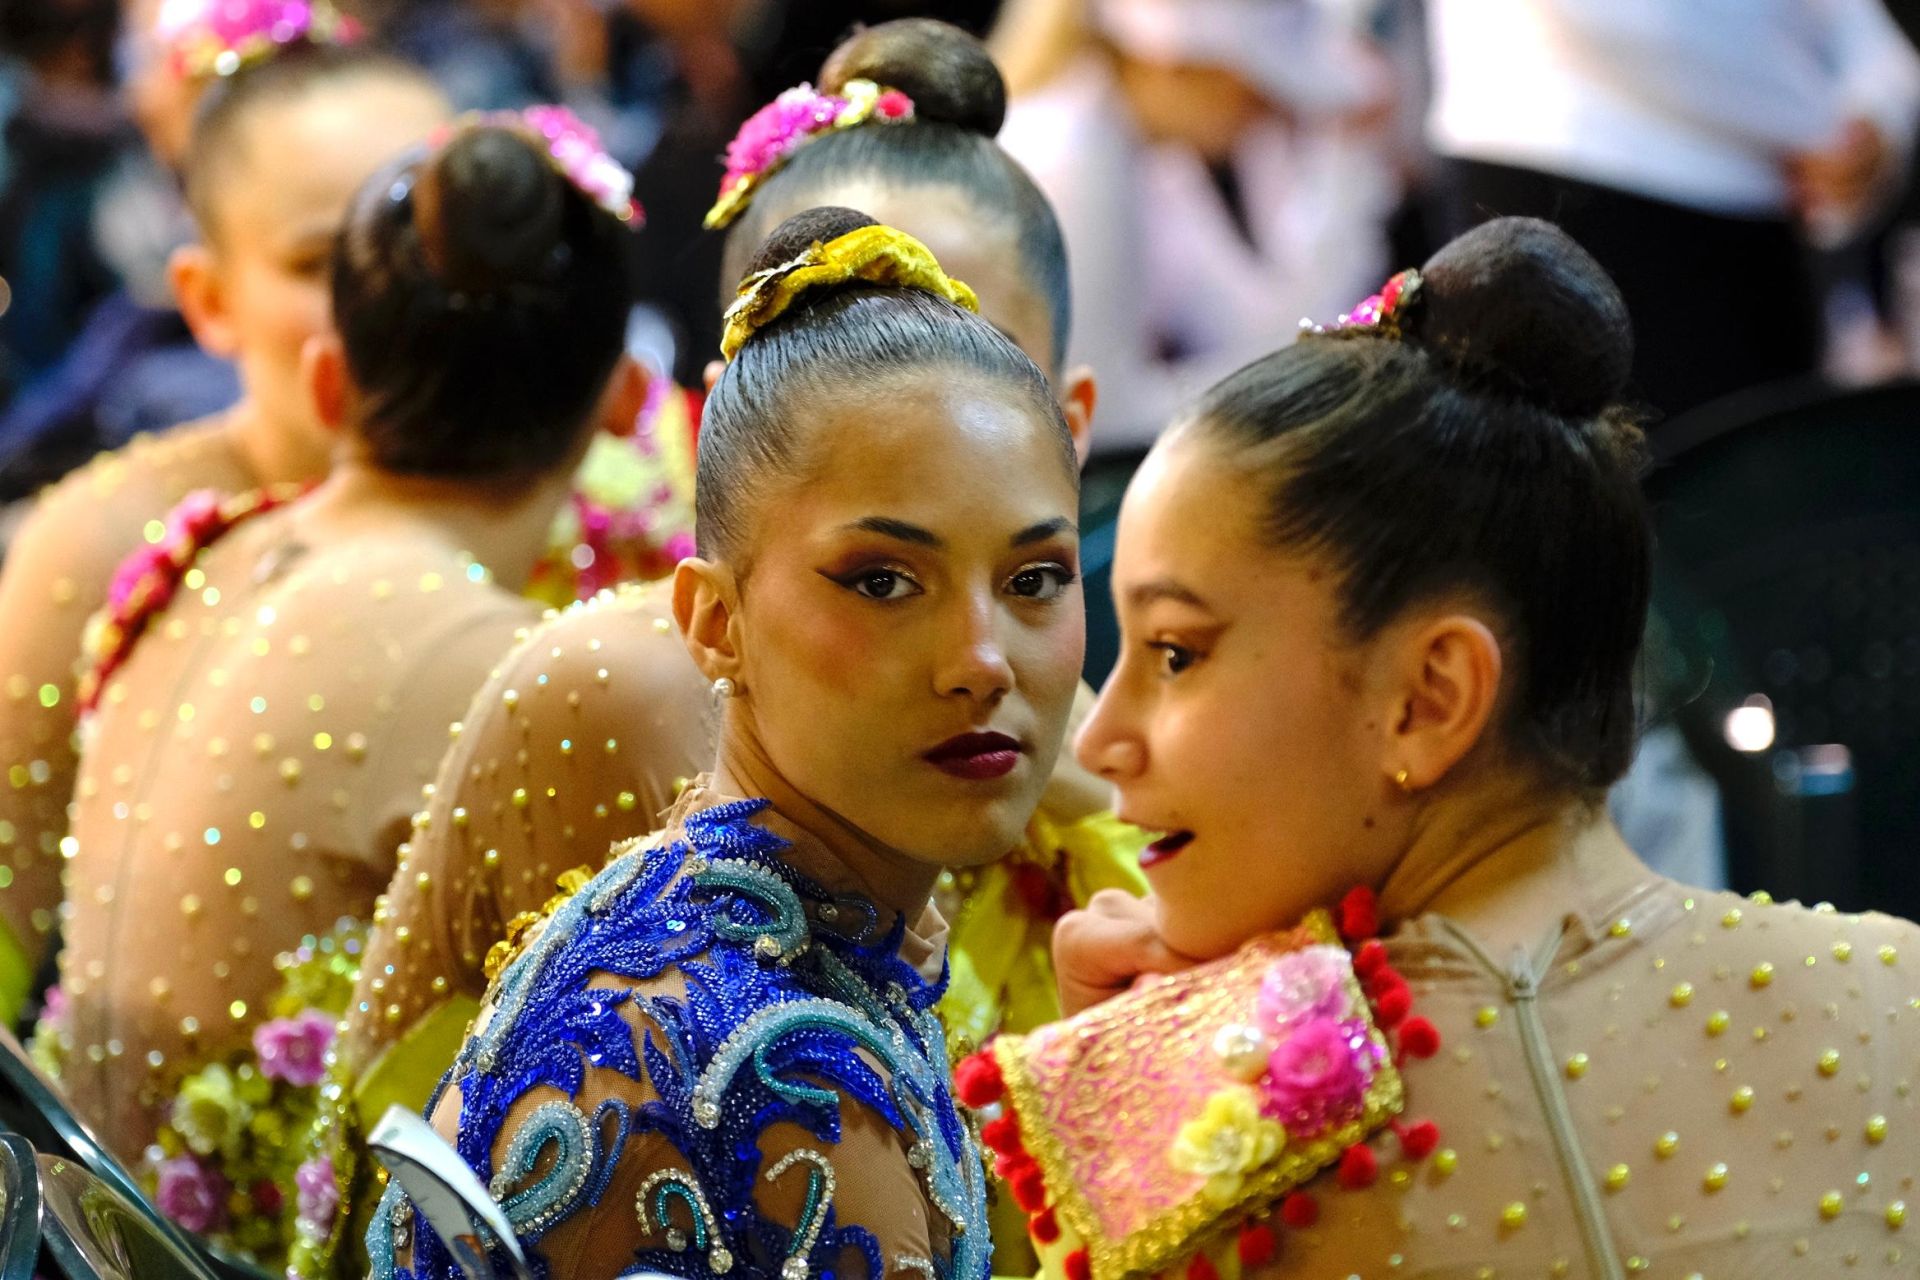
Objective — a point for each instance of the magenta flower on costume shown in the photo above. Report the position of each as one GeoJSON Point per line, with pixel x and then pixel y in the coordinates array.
{"type": "Point", "coordinates": [319, 1193]}
{"type": "Point", "coordinates": [1306, 985]}
{"type": "Point", "coordinates": [294, 1049]}
{"type": "Point", "coordinates": [218, 37]}
{"type": "Point", "coordinates": [192, 1194]}
{"type": "Point", "coordinates": [1319, 1074]}
{"type": "Point", "coordinates": [55, 1010]}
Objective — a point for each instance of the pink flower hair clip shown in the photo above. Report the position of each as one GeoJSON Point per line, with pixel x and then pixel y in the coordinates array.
{"type": "Point", "coordinates": [576, 151]}
{"type": "Point", "coordinates": [1383, 313]}
{"type": "Point", "coordinates": [203, 38]}
{"type": "Point", "coordinates": [773, 133]}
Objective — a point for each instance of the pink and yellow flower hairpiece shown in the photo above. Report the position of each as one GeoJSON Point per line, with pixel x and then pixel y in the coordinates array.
{"type": "Point", "coordinates": [203, 38]}
{"type": "Point", "coordinates": [574, 148]}
{"type": "Point", "coordinates": [1383, 313]}
{"type": "Point", "coordinates": [773, 133]}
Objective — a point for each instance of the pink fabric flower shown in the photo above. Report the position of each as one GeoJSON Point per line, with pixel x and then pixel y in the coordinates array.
{"type": "Point", "coordinates": [55, 1011]}
{"type": "Point", "coordinates": [1318, 1076]}
{"type": "Point", "coordinates": [192, 1194]}
{"type": "Point", "coordinates": [1305, 985]}
{"type": "Point", "coordinates": [319, 1193]}
{"type": "Point", "coordinates": [771, 133]}
{"type": "Point", "coordinates": [216, 37]}
{"type": "Point", "coordinates": [294, 1049]}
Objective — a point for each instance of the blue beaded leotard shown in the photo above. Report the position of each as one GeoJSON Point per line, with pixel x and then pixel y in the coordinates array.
{"type": "Point", "coordinates": [787, 999]}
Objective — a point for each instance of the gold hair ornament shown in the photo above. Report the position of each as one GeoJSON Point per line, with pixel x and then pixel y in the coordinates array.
{"type": "Point", "coordinates": [879, 255]}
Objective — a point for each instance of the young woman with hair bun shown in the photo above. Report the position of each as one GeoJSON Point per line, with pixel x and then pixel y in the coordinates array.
{"type": "Point", "coordinates": [272, 683]}
{"type": "Point", "coordinates": [1390, 676]}
{"type": "Point", "coordinates": [727, 1037]}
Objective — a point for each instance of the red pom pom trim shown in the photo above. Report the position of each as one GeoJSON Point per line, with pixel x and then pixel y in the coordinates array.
{"type": "Point", "coordinates": [1077, 1266]}
{"type": "Point", "coordinates": [1393, 1005]}
{"type": "Point", "coordinates": [1359, 914]}
{"type": "Point", "coordinates": [1202, 1268]}
{"type": "Point", "coordinates": [1002, 1136]}
{"type": "Point", "coordinates": [977, 1081]}
{"type": "Point", "coordinates": [1299, 1210]}
{"type": "Point", "coordinates": [1370, 958]}
{"type": "Point", "coordinates": [1418, 1141]}
{"type": "Point", "coordinates": [1359, 1167]}
{"type": "Point", "coordinates": [1257, 1245]}
{"type": "Point", "coordinates": [1419, 1038]}
{"type": "Point", "coordinates": [1029, 1187]}
{"type": "Point", "coordinates": [1044, 1227]}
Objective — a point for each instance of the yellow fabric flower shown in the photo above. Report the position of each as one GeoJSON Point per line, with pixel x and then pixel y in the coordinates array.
{"type": "Point", "coordinates": [209, 1113]}
{"type": "Point", "coordinates": [1229, 1140]}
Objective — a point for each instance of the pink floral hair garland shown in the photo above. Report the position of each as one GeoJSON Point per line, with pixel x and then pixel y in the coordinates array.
{"type": "Point", "coordinates": [773, 133]}
{"type": "Point", "coordinates": [575, 149]}
{"type": "Point", "coordinates": [204, 38]}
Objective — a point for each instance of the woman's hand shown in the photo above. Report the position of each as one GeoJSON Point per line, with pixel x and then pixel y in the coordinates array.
{"type": "Point", "coordinates": [1104, 948]}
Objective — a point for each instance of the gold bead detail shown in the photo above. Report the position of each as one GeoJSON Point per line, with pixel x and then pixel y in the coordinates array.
{"type": "Point", "coordinates": [1762, 974]}
{"type": "Point", "coordinates": [1514, 1216]}
{"type": "Point", "coordinates": [1485, 1016]}
{"type": "Point", "coordinates": [1681, 996]}
{"type": "Point", "coordinates": [1446, 1161]}
{"type": "Point", "coordinates": [1830, 1062]}
{"type": "Point", "coordinates": [1830, 1205]}
{"type": "Point", "coordinates": [1731, 920]}
{"type": "Point", "coordinates": [1896, 1215]}
{"type": "Point", "coordinates": [1577, 1066]}
{"type": "Point", "coordinates": [1718, 1022]}
{"type": "Point", "coordinates": [1742, 1100]}
{"type": "Point", "coordinates": [1617, 1177]}
{"type": "Point", "coordinates": [1843, 951]}
{"type": "Point", "coordinates": [1889, 956]}
{"type": "Point", "coordinates": [1666, 1144]}
{"type": "Point", "coordinates": [1876, 1129]}
{"type": "Point", "coordinates": [1716, 1177]}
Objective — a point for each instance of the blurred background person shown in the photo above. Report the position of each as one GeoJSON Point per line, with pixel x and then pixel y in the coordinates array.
{"type": "Point", "coordinates": [1222, 169]}
{"type": "Point", "coordinates": [1694, 149]}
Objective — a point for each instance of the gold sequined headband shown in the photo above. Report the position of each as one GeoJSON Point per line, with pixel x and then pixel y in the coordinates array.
{"type": "Point", "coordinates": [879, 255]}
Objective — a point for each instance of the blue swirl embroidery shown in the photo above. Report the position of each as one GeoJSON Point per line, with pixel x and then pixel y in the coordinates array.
{"type": "Point", "coordinates": [784, 1013]}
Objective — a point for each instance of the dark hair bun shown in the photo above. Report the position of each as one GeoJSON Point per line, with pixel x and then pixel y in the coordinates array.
{"type": "Point", "coordinates": [491, 213]}
{"type": "Point", "coordinates": [949, 74]}
{"type": "Point", "coordinates": [1515, 302]}
{"type": "Point", "coordinates": [794, 236]}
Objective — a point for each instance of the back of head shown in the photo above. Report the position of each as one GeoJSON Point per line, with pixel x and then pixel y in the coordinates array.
{"type": "Point", "coordinates": [857, 332]}
{"type": "Point", "coordinates": [1474, 441]}
{"type": "Point", "coordinates": [482, 300]}
{"type": "Point", "coordinates": [959, 103]}
{"type": "Point", "coordinates": [218, 147]}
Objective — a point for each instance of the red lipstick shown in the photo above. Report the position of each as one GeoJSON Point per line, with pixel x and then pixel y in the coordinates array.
{"type": "Point", "coordinates": [1165, 849]}
{"type": "Point", "coordinates": [976, 757]}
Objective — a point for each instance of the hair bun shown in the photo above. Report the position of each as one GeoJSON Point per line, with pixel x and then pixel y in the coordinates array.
{"type": "Point", "coordinates": [491, 213]}
{"type": "Point", "coordinates": [1517, 302]}
{"type": "Point", "coordinates": [802, 231]}
{"type": "Point", "coordinates": [949, 74]}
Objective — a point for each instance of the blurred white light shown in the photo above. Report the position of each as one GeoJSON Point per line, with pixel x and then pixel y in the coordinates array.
{"type": "Point", "coordinates": [1749, 726]}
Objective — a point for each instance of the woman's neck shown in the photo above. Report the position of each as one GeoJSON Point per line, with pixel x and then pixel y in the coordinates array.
{"type": "Point", "coordinates": [504, 525]}
{"type": "Point", "coordinates": [268, 453]}
{"type": "Point", "coordinates": [1508, 863]}
{"type": "Point", "coordinates": [886, 877]}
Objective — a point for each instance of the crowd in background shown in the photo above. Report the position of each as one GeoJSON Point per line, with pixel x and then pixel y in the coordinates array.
{"type": "Point", "coordinates": [1217, 181]}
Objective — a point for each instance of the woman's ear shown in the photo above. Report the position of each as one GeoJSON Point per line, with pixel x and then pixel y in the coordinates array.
{"type": "Point", "coordinates": [625, 398]}
{"type": "Point", "coordinates": [1079, 396]}
{"type": "Point", "coordinates": [711, 374]}
{"type": "Point", "coordinates": [705, 607]}
{"type": "Point", "coordinates": [329, 386]}
{"type": "Point", "coordinates": [1446, 693]}
{"type": "Point", "coordinates": [201, 294]}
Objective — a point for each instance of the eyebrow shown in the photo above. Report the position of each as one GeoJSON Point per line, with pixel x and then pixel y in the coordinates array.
{"type": "Point", "coordinates": [1164, 589]}
{"type": "Point", "coordinates": [901, 531]}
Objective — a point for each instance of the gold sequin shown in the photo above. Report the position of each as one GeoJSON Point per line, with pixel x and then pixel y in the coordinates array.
{"type": "Point", "coordinates": [1897, 1215]}
{"type": "Point", "coordinates": [1514, 1216]}
{"type": "Point", "coordinates": [1485, 1016]}
{"type": "Point", "coordinates": [1742, 1100]}
{"type": "Point", "coordinates": [1876, 1129]}
{"type": "Point", "coordinates": [1716, 1177]}
{"type": "Point", "coordinates": [1681, 996]}
{"type": "Point", "coordinates": [1718, 1022]}
{"type": "Point", "coordinates": [1576, 1066]}
{"type": "Point", "coordinates": [1617, 1177]}
{"type": "Point", "coordinates": [1831, 1204]}
{"type": "Point", "coordinates": [1666, 1144]}
{"type": "Point", "coordinates": [1888, 955]}
{"type": "Point", "coordinates": [1731, 920]}
{"type": "Point", "coordinates": [1762, 974]}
